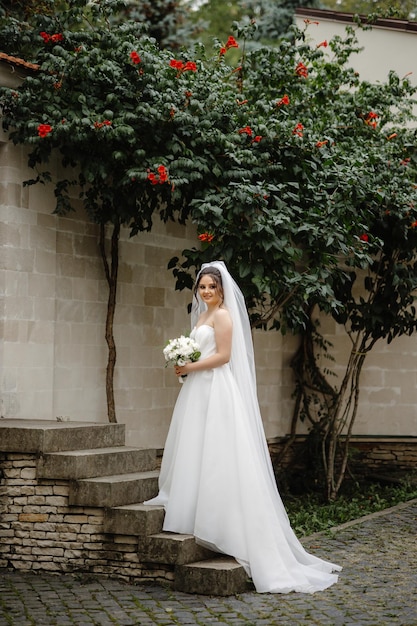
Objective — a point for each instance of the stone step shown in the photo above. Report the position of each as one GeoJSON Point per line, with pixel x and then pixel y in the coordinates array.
{"type": "Point", "coordinates": [116, 490]}
{"type": "Point", "coordinates": [171, 548]}
{"type": "Point", "coordinates": [221, 576]}
{"type": "Point", "coordinates": [32, 436]}
{"type": "Point", "coordinates": [134, 519]}
{"type": "Point", "coordinates": [76, 464]}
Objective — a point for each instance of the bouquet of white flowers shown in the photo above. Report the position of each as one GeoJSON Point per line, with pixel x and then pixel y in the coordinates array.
{"type": "Point", "coordinates": [181, 351]}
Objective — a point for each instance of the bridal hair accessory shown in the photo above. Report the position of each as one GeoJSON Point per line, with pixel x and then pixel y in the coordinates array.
{"type": "Point", "coordinates": [180, 351]}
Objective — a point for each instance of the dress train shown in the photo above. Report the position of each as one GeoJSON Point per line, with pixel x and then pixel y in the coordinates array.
{"type": "Point", "coordinates": [216, 483]}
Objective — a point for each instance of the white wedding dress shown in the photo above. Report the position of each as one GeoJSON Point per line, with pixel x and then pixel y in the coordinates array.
{"type": "Point", "coordinates": [217, 483]}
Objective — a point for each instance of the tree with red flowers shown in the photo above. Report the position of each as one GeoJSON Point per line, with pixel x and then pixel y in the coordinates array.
{"type": "Point", "coordinates": [319, 218]}
{"type": "Point", "coordinates": [121, 113]}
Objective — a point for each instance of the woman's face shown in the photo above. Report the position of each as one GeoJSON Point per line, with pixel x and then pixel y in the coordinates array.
{"type": "Point", "coordinates": [209, 293]}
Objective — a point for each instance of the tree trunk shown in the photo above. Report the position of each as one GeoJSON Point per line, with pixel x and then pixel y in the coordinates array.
{"type": "Point", "coordinates": [340, 424]}
{"type": "Point", "coordinates": [330, 411]}
{"type": "Point", "coordinates": [111, 272]}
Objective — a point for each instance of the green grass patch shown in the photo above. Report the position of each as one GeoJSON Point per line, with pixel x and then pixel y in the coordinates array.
{"type": "Point", "coordinates": [309, 513]}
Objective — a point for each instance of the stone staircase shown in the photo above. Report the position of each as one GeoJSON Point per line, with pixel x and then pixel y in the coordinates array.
{"type": "Point", "coordinates": [103, 472]}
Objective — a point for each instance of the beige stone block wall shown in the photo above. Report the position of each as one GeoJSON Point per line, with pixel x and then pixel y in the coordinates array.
{"type": "Point", "coordinates": [53, 310]}
{"type": "Point", "coordinates": [388, 401]}
{"type": "Point", "coordinates": [149, 312]}
{"type": "Point", "coordinates": [27, 306]}
{"type": "Point", "coordinates": [388, 389]}
{"type": "Point", "coordinates": [40, 531]}
{"type": "Point", "coordinates": [275, 382]}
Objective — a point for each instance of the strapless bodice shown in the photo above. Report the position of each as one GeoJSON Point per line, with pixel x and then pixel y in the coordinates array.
{"type": "Point", "coordinates": [204, 336]}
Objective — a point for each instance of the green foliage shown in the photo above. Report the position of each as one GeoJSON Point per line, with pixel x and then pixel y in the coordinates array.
{"type": "Point", "coordinates": [272, 18]}
{"type": "Point", "coordinates": [219, 15]}
{"type": "Point", "coordinates": [168, 22]}
{"type": "Point", "coordinates": [290, 212]}
{"type": "Point", "coordinates": [25, 9]}
{"type": "Point", "coordinates": [309, 514]}
{"type": "Point", "coordinates": [286, 176]}
{"type": "Point", "coordinates": [114, 118]}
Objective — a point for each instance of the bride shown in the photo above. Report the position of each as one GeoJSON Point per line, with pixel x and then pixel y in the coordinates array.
{"type": "Point", "coordinates": [216, 479]}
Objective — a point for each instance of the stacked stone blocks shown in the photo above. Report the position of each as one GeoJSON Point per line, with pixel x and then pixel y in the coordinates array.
{"type": "Point", "coordinates": [44, 527]}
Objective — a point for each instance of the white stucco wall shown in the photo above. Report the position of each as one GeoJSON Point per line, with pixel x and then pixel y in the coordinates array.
{"type": "Point", "coordinates": [383, 48]}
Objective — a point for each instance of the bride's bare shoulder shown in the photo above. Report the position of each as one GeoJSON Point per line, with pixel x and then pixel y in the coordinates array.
{"type": "Point", "coordinates": [222, 316]}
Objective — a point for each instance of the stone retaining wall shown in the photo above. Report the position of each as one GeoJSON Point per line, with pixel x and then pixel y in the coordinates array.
{"type": "Point", "coordinates": [368, 455]}
{"type": "Point", "coordinates": [40, 531]}
{"type": "Point", "coordinates": [385, 455]}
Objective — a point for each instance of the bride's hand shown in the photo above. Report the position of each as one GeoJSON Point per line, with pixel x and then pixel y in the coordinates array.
{"type": "Point", "coordinates": [180, 370]}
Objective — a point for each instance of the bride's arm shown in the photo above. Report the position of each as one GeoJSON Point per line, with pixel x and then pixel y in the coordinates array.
{"type": "Point", "coordinates": [223, 336]}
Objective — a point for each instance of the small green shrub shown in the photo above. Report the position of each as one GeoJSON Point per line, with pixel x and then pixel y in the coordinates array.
{"type": "Point", "coordinates": [308, 513]}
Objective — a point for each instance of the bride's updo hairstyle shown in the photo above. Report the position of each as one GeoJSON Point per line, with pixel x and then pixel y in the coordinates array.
{"type": "Point", "coordinates": [215, 274]}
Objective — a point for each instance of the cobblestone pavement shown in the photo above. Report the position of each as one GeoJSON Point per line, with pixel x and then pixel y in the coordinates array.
{"type": "Point", "coordinates": [376, 588]}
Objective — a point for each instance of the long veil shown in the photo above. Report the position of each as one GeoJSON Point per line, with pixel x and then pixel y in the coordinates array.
{"type": "Point", "coordinates": [242, 361]}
